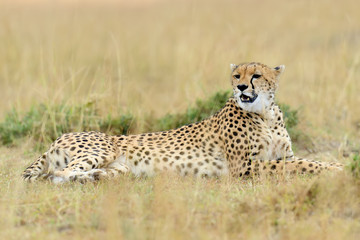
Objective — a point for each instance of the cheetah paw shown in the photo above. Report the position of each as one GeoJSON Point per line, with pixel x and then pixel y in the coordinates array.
{"type": "Point", "coordinates": [97, 174]}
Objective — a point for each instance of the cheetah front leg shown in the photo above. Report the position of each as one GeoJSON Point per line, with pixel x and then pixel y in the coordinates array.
{"type": "Point", "coordinates": [293, 166]}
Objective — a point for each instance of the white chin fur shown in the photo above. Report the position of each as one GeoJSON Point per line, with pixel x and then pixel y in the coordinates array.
{"type": "Point", "coordinates": [260, 104]}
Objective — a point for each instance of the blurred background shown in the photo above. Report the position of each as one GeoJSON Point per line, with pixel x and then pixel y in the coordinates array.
{"type": "Point", "coordinates": [158, 57]}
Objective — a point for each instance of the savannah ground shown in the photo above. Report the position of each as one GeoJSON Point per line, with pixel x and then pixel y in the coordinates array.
{"type": "Point", "coordinates": [150, 58]}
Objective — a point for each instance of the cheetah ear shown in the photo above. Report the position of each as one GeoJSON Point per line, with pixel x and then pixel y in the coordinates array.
{"type": "Point", "coordinates": [279, 70]}
{"type": "Point", "coordinates": [233, 67]}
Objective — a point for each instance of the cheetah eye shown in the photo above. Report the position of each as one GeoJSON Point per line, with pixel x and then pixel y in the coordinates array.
{"type": "Point", "coordinates": [237, 76]}
{"type": "Point", "coordinates": [256, 76]}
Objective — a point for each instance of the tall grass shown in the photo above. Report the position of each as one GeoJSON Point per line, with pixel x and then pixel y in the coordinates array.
{"type": "Point", "coordinates": [154, 59]}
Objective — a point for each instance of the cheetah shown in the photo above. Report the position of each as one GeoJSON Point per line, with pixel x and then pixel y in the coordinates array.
{"type": "Point", "coordinates": [246, 137]}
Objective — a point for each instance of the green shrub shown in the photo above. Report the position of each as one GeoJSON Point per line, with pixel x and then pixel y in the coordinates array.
{"type": "Point", "coordinates": [291, 121]}
{"type": "Point", "coordinates": [13, 127]}
{"type": "Point", "coordinates": [355, 166]}
{"type": "Point", "coordinates": [45, 123]}
{"type": "Point", "coordinates": [290, 116]}
{"type": "Point", "coordinates": [202, 109]}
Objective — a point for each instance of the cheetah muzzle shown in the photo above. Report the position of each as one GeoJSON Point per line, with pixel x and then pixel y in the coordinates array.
{"type": "Point", "coordinates": [248, 99]}
{"type": "Point", "coordinates": [247, 137]}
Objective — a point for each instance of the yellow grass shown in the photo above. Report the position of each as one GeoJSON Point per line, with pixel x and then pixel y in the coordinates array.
{"type": "Point", "coordinates": [156, 57]}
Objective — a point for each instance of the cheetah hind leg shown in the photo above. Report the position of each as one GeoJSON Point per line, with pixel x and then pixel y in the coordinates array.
{"type": "Point", "coordinates": [37, 170]}
{"type": "Point", "coordinates": [111, 171]}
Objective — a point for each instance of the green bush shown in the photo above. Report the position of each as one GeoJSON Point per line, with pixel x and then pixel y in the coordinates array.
{"type": "Point", "coordinates": [202, 109]}
{"type": "Point", "coordinates": [45, 123]}
{"type": "Point", "coordinates": [290, 116]}
{"type": "Point", "coordinates": [291, 121]}
{"type": "Point", "coordinates": [355, 166]}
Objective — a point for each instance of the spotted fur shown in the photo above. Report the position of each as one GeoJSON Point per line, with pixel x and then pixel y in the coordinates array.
{"type": "Point", "coordinates": [246, 137]}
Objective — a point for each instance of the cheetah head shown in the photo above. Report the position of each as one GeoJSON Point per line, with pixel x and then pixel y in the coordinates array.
{"type": "Point", "coordinates": [254, 85]}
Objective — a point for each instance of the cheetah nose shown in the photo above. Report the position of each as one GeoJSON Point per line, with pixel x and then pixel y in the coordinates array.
{"type": "Point", "coordinates": [242, 87]}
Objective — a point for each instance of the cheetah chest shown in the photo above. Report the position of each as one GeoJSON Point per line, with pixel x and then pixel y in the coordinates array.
{"type": "Point", "coordinates": [266, 143]}
{"type": "Point", "coordinates": [274, 145]}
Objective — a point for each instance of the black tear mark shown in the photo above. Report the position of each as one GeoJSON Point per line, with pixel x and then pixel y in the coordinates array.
{"type": "Point", "coordinates": [251, 82]}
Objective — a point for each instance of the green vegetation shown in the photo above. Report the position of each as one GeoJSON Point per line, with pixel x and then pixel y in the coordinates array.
{"type": "Point", "coordinates": [202, 109]}
{"type": "Point", "coordinates": [45, 123]}
{"type": "Point", "coordinates": [355, 166]}
{"type": "Point", "coordinates": [291, 121]}
{"type": "Point", "coordinates": [290, 116]}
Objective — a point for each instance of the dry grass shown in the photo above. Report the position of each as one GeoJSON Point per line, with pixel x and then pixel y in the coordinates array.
{"type": "Point", "coordinates": [158, 57]}
{"type": "Point", "coordinates": [171, 207]}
